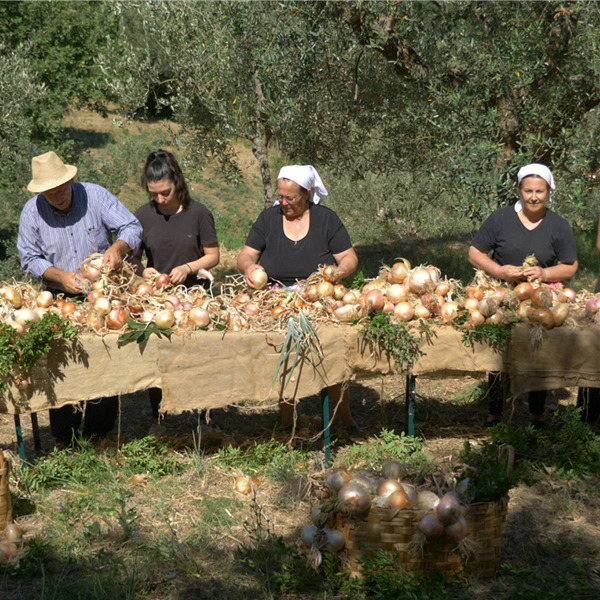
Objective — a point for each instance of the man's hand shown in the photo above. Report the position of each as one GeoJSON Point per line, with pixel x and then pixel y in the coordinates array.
{"type": "Point", "coordinates": [72, 282]}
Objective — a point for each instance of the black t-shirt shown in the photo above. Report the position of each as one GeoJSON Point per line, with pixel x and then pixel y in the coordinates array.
{"type": "Point", "coordinates": [511, 242]}
{"type": "Point", "coordinates": [173, 240]}
{"type": "Point", "coordinates": [287, 261]}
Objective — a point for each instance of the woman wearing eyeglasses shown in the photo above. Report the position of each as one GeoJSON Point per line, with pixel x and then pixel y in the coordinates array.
{"type": "Point", "coordinates": [291, 240]}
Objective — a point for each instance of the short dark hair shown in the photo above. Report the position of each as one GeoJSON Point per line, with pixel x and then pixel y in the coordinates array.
{"type": "Point", "coordinates": [160, 165]}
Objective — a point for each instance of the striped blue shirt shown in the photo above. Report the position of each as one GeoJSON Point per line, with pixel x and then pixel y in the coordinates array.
{"type": "Point", "coordinates": [53, 238]}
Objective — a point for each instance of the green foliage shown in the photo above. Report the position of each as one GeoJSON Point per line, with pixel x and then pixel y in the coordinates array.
{"type": "Point", "coordinates": [387, 446]}
{"type": "Point", "coordinates": [150, 455]}
{"type": "Point", "coordinates": [496, 336]}
{"type": "Point", "coordinates": [567, 445]}
{"type": "Point", "coordinates": [384, 578]}
{"type": "Point", "coordinates": [265, 457]}
{"type": "Point", "coordinates": [141, 332]}
{"type": "Point", "coordinates": [399, 340]}
{"type": "Point", "coordinates": [18, 353]}
{"type": "Point", "coordinates": [490, 475]}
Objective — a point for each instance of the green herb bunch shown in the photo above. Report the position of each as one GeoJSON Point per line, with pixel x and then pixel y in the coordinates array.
{"type": "Point", "coordinates": [19, 352]}
{"type": "Point", "coordinates": [399, 340]}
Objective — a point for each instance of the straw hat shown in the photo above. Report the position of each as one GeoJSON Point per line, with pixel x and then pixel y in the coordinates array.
{"type": "Point", "coordinates": [48, 172]}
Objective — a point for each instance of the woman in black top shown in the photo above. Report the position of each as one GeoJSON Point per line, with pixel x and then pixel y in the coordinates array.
{"type": "Point", "coordinates": [291, 240]}
{"type": "Point", "coordinates": [511, 234]}
{"type": "Point", "coordinates": [179, 236]}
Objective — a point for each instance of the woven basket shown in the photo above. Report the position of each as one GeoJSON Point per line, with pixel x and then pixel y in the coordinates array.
{"type": "Point", "coordinates": [5, 503]}
{"type": "Point", "coordinates": [397, 529]}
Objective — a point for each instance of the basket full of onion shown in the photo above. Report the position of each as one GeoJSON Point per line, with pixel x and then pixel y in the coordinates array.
{"type": "Point", "coordinates": [429, 530]}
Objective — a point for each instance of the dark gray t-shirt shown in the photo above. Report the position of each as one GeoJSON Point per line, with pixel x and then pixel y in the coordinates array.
{"type": "Point", "coordinates": [511, 242]}
{"type": "Point", "coordinates": [287, 261]}
{"type": "Point", "coordinates": [172, 240]}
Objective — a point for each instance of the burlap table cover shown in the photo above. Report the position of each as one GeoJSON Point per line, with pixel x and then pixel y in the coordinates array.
{"type": "Point", "coordinates": [214, 369]}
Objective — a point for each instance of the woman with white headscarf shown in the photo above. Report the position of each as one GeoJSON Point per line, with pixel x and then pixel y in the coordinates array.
{"type": "Point", "coordinates": [291, 240]}
{"type": "Point", "coordinates": [510, 235]}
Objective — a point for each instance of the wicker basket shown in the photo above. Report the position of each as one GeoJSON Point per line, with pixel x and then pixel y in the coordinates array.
{"type": "Point", "coordinates": [396, 530]}
{"type": "Point", "coordinates": [5, 503]}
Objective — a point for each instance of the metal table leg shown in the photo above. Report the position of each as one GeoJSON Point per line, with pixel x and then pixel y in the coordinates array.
{"type": "Point", "coordinates": [410, 404]}
{"type": "Point", "coordinates": [20, 442]}
{"type": "Point", "coordinates": [326, 427]}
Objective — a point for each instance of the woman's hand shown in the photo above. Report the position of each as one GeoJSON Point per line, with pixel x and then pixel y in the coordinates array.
{"type": "Point", "coordinates": [534, 273]}
{"type": "Point", "coordinates": [149, 272]}
{"type": "Point", "coordinates": [180, 274]}
{"type": "Point", "coordinates": [248, 274]}
{"type": "Point", "coordinates": [511, 272]}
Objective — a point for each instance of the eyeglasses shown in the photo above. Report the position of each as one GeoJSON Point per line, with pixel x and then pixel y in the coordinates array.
{"type": "Point", "coordinates": [288, 199]}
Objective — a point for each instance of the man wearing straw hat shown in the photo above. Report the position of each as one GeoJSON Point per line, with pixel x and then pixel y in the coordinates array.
{"type": "Point", "coordinates": [63, 224]}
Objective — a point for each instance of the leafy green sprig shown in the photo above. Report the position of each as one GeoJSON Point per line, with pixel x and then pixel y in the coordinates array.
{"type": "Point", "coordinates": [141, 332]}
{"type": "Point", "coordinates": [19, 352]}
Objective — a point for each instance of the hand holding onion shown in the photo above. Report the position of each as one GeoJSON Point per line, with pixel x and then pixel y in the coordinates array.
{"type": "Point", "coordinates": [256, 277]}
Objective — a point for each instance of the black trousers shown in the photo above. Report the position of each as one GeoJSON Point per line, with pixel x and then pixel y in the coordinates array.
{"type": "Point", "coordinates": [498, 390]}
{"type": "Point", "coordinates": [100, 417]}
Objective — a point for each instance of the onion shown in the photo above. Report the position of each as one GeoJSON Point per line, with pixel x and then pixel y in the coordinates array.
{"type": "Point", "coordinates": [68, 308]}
{"type": "Point", "coordinates": [172, 301]}
{"type": "Point", "coordinates": [592, 306]}
{"type": "Point", "coordinates": [398, 272]}
{"type": "Point", "coordinates": [90, 272]}
{"type": "Point", "coordinates": [427, 500]}
{"type": "Point", "coordinates": [524, 290]}
{"type": "Point", "coordinates": [164, 319]}
{"type": "Point", "coordinates": [365, 481]}
{"type": "Point", "coordinates": [345, 313]}
{"type": "Point", "coordinates": [393, 469]}
{"type": "Point", "coordinates": [260, 278]}
{"type": "Point", "coordinates": [162, 281]}
{"type": "Point", "coordinates": [8, 551]}
{"type": "Point", "coordinates": [388, 486]}
{"type": "Point", "coordinates": [499, 294]}
{"type": "Point", "coordinates": [404, 311]}
{"type": "Point", "coordinates": [496, 318]}
{"type": "Point", "coordinates": [443, 288]}
{"type": "Point", "coordinates": [102, 305]}
{"type": "Point", "coordinates": [116, 318]}
{"type": "Point", "coordinates": [421, 312]}
{"type": "Point", "coordinates": [350, 297]}
{"type": "Point", "coordinates": [99, 285]}
{"type": "Point", "coordinates": [331, 273]}
{"type": "Point", "coordinates": [471, 303]}
{"type": "Point", "coordinates": [353, 499]}
{"type": "Point", "coordinates": [40, 312]}
{"type": "Point", "coordinates": [251, 309]}
{"type": "Point", "coordinates": [397, 293]}
{"type": "Point", "coordinates": [308, 535]}
{"type": "Point", "coordinates": [135, 310]}
{"type": "Point", "coordinates": [96, 320]}
{"type": "Point", "coordinates": [431, 526]}
{"type": "Point", "coordinates": [449, 311]}
{"type": "Point", "coordinates": [476, 317]}
{"type": "Point", "coordinates": [13, 532]}
{"type": "Point", "coordinates": [339, 291]}
{"type": "Point", "coordinates": [570, 294]}
{"type": "Point", "coordinates": [410, 491]}
{"type": "Point", "coordinates": [324, 289]}
{"type": "Point", "coordinates": [560, 312]}
{"type": "Point", "coordinates": [25, 315]}
{"type": "Point", "coordinates": [199, 316]}
{"type": "Point", "coordinates": [541, 297]}
{"type": "Point", "coordinates": [94, 295]}
{"type": "Point", "coordinates": [310, 293]}
{"type": "Point", "coordinates": [399, 499]}
{"type": "Point", "coordinates": [374, 300]}
{"type": "Point", "coordinates": [44, 299]}
{"type": "Point", "coordinates": [12, 296]}
{"type": "Point", "coordinates": [487, 307]}
{"type": "Point", "coordinates": [144, 288]}
{"type": "Point", "coordinates": [449, 510]}
{"type": "Point", "coordinates": [511, 299]}
{"type": "Point", "coordinates": [240, 299]}
{"type": "Point", "coordinates": [457, 531]}
{"type": "Point", "coordinates": [146, 317]}
{"type": "Point", "coordinates": [278, 310]}
{"type": "Point", "coordinates": [244, 484]}
{"type": "Point", "coordinates": [543, 316]}
{"type": "Point", "coordinates": [473, 291]}
{"type": "Point", "coordinates": [334, 540]}
{"type": "Point", "coordinates": [388, 307]}
{"type": "Point", "coordinates": [419, 280]}
{"type": "Point", "coordinates": [432, 303]}
{"type": "Point", "coordinates": [21, 384]}
{"type": "Point", "coordinates": [337, 478]}
{"type": "Point", "coordinates": [523, 309]}
{"type": "Point", "coordinates": [16, 326]}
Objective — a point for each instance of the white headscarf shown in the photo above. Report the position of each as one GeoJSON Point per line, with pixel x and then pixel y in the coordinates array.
{"type": "Point", "coordinates": [535, 169]}
{"type": "Point", "coordinates": [307, 177]}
